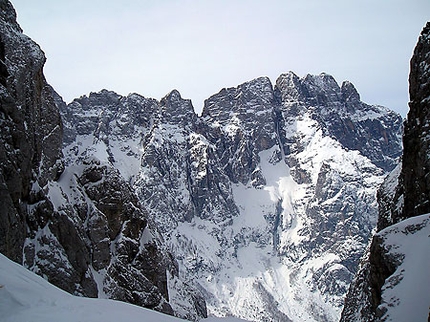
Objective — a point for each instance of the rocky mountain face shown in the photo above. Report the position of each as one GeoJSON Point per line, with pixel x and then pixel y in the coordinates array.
{"type": "Point", "coordinates": [30, 132]}
{"type": "Point", "coordinates": [260, 208]}
{"type": "Point", "coordinates": [415, 176]}
{"type": "Point", "coordinates": [381, 291]}
{"type": "Point", "coordinates": [263, 209]}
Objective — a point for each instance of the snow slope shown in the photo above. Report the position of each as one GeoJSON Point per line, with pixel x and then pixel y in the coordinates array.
{"type": "Point", "coordinates": [25, 296]}
{"type": "Point", "coordinates": [405, 295]}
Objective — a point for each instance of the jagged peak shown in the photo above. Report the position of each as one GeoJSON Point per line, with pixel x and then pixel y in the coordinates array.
{"type": "Point", "coordinates": [322, 81]}
{"type": "Point", "coordinates": [139, 96]}
{"type": "Point", "coordinates": [286, 79]}
{"type": "Point", "coordinates": [8, 14]}
{"type": "Point", "coordinates": [104, 92]}
{"type": "Point", "coordinates": [290, 86]}
{"type": "Point", "coordinates": [173, 96]}
{"type": "Point", "coordinates": [259, 89]}
{"type": "Point", "coordinates": [176, 109]}
{"type": "Point", "coordinates": [104, 98]}
{"type": "Point", "coordinates": [92, 95]}
{"type": "Point", "coordinates": [260, 86]}
{"type": "Point", "coordinates": [349, 92]}
{"type": "Point", "coordinates": [259, 81]}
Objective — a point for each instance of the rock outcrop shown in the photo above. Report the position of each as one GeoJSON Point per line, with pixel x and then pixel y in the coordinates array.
{"type": "Point", "coordinates": [415, 175]}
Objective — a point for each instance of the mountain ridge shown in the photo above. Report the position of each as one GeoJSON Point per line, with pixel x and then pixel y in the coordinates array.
{"type": "Point", "coordinates": [194, 170]}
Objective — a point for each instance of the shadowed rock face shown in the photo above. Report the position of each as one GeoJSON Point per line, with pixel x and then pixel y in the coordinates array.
{"type": "Point", "coordinates": [404, 194]}
{"type": "Point", "coordinates": [415, 176]}
{"type": "Point", "coordinates": [30, 132]}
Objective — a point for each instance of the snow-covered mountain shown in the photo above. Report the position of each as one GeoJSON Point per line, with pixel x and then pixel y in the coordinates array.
{"type": "Point", "coordinates": [265, 202]}
{"type": "Point", "coordinates": [68, 225]}
{"type": "Point", "coordinates": [260, 208]}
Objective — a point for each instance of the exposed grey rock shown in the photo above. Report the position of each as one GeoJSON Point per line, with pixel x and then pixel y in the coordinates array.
{"type": "Point", "coordinates": [99, 227]}
{"type": "Point", "coordinates": [187, 167]}
{"type": "Point", "coordinates": [247, 116]}
{"type": "Point", "coordinates": [357, 126]}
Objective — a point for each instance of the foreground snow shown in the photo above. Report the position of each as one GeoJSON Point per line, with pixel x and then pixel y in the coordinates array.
{"type": "Point", "coordinates": [25, 296]}
{"type": "Point", "coordinates": [405, 294]}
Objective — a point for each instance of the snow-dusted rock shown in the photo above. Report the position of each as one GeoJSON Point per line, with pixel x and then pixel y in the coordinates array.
{"type": "Point", "coordinates": [262, 201]}
{"type": "Point", "coordinates": [258, 209]}
{"type": "Point", "coordinates": [97, 242]}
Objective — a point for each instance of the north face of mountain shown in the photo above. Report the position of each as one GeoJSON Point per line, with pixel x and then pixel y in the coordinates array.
{"type": "Point", "coordinates": [390, 282]}
{"type": "Point", "coordinates": [256, 193]}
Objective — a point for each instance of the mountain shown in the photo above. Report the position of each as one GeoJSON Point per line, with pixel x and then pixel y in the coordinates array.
{"type": "Point", "coordinates": [260, 208]}
{"type": "Point", "coordinates": [267, 200]}
{"type": "Point", "coordinates": [391, 284]}
{"type": "Point", "coordinates": [31, 132]}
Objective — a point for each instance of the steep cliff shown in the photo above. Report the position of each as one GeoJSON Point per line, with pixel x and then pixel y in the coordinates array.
{"type": "Point", "coordinates": [389, 284]}
{"type": "Point", "coordinates": [415, 176]}
{"type": "Point", "coordinates": [31, 134]}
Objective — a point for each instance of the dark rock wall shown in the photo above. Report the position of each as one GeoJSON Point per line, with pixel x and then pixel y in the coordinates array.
{"type": "Point", "coordinates": [31, 131]}
{"type": "Point", "coordinates": [415, 176]}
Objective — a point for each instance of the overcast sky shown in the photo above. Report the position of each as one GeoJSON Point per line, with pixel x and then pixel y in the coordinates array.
{"type": "Point", "coordinates": [198, 47]}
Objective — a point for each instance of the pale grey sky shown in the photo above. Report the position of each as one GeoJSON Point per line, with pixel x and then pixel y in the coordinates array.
{"type": "Point", "coordinates": [198, 47]}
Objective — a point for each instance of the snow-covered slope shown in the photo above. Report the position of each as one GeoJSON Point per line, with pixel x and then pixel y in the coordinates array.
{"type": "Point", "coordinates": [25, 296]}
{"type": "Point", "coordinates": [405, 294]}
